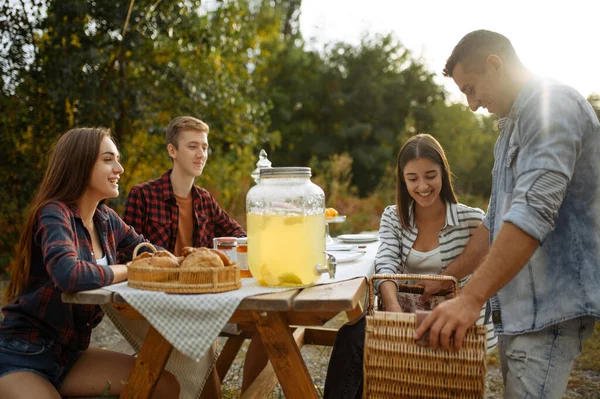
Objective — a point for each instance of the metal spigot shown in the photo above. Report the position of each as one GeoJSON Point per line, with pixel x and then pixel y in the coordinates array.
{"type": "Point", "coordinates": [330, 267]}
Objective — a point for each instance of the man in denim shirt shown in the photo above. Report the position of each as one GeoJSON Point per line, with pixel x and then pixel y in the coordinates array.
{"type": "Point", "coordinates": [542, 230]}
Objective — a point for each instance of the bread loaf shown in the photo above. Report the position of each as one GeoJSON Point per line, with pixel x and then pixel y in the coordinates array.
{"type": "Point", "coordinates": [164, 259]}
{"type": "Point", "coordinates": [202, 257]}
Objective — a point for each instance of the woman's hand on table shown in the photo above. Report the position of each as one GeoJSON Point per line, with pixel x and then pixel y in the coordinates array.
{"type": "Point", "coordinates": [120, 273]}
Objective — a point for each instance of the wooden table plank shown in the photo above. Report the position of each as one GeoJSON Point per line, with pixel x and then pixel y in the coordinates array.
{"type": "Point", "coordinates": [357, 312]}
{"type": "Point", "coordinates": [275, 302]}
{"type": "Point", "coordinates": [149, 365]}
{"type": "Point", "coordinates": [99, 296]}
{"type": "Point", "coordinates": [310, 318]}
{"type": "Point", "coordinates": [342, 296]}
{"type": "Point", "coordinates": [285, 356]}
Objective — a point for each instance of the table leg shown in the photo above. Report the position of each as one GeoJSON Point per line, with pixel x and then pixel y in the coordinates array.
{"type": "Point", "coordinates": [284, 355]}
{"type": "Point", "coordinates": [267, 379]}
{"type": "Point", "coordinates": [212, 388]}
{"type": "Point", "coordinates": [149, 365]}
{"type": "Point", "coordinates": [227, 356]}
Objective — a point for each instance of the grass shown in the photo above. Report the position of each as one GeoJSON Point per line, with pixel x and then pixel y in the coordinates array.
{"type": "Point", "coordinates": [590, 357]}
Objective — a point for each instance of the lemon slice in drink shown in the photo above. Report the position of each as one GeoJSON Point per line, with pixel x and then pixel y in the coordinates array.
{"type": "Point", "coordinates": [289, 279]}
{"type": "Point", "coordinates": [267, 278]}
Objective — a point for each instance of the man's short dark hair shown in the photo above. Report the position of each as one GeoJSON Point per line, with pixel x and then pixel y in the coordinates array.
{"type": "Point", "coordinates": [473, 49]}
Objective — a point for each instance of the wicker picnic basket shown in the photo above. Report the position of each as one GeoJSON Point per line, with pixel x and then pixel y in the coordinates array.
{"type": "Point", "coordinates": [188, 280]}
{"type": "Point", "coordinates": [396, 366]}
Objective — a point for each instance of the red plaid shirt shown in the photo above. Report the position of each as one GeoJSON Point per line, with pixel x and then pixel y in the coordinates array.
{"type": "Point", "coordinates": [151, 209]}
{"type": "Point", "coordinates": [62, 261]}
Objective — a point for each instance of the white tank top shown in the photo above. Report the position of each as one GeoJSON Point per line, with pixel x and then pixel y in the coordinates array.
{"type": "Point", "coordinates": [102, 261]}
{"type": "Point", "coordinates": [418, 262]}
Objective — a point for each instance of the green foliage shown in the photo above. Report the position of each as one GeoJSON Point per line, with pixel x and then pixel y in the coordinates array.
{"type": "Point", "coordinates": [352, 99]}
{"type": "Point", "coordinates": [241, 66]}
{"type": "Point", "coordinates": [469, 144]}
{"type": "Point", "coordinates": [334, 176]}
{"type": "Point", "coordinates": [89, 66]}
{"type": "Point", "coordinates": [589, 359]}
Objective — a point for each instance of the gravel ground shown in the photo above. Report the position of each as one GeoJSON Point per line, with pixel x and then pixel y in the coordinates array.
{"type": "Point", "coordinates": [583, 384]}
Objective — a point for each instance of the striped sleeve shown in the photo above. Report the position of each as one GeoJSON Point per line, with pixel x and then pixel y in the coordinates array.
{"type": "Point", "coordinates": [492, 338]}
{"type": "Point", "coordinates": [388, 258]}
{"type": "Point", "coordinates": [469, 219]}
{"type": "Point", "coordinates": [455, 240]}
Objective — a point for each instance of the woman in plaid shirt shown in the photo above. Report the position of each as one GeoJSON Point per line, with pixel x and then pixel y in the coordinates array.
{"type": "Point", "coordinates": [69, 244]}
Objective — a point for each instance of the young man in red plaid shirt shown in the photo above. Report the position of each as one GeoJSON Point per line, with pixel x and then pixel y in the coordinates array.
{"type": "Point", "coordinates": [172, 211]}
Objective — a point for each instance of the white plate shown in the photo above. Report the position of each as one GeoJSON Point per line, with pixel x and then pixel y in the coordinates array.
{"type": "Point", "coordinates": [358, 238]}
{"type": "Point", "coordinates": [336, 219]}
{"type": "Point", "coordinates": [345, 256]}
{"type": "Point", "coordinates": [341, 247]}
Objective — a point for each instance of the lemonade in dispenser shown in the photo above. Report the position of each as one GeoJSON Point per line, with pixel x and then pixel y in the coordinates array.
{"type": "Point", "coordinates": [285, 217]}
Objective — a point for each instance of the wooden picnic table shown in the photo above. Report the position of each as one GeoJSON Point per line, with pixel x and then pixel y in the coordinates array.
{"type": "Point", "coordinates": [285, 321]}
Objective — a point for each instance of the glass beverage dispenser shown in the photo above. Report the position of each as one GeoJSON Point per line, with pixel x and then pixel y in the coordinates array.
{"type": "Point", "coordinates": [286, 227]}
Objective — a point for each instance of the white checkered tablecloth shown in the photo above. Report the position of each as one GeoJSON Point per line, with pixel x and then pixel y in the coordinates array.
{"type": "Point", "coordinates": [192, 322]}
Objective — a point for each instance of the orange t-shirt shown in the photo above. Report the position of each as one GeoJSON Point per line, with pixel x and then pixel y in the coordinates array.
{"type": "Point", "coordinates": [185, 229]}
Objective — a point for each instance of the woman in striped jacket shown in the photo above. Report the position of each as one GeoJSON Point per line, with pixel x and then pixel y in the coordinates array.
{"type": "Point", "coordinates": [423, 233]}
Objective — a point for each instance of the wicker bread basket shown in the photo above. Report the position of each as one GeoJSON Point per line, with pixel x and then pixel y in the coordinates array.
{"type": "Point", "coordinates": [396, 366]}
{"type": "Point", "coordinates": [188, 280]}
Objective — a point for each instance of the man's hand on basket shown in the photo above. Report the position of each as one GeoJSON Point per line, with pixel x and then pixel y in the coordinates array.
{"type": "Point", "coordinates": [433, 287]}
{"type": "Point", "coordinates": [450, 320]}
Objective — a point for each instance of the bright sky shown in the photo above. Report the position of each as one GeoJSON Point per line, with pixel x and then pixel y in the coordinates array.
{"type": "Point", "coordinates": [561, 40]}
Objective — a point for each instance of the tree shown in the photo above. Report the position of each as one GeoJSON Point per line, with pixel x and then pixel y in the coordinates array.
{"type": "Point", "coordinates": [468, 140]}
{"type": "Point", "coordinates": [131, 69]}
{"type": "Point", "coordinates": [352, 100]}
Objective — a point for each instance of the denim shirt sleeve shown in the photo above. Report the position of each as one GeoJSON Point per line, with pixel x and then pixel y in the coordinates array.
{"type": "Point", "coordinates": [542, 152]}
{"type": "Point", "coordinates": [59, 243]}
{"type": "Point", "coordinates": [486, 218]}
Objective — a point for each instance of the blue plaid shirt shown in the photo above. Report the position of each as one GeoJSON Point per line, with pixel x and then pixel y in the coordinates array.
{"type": "Point", "coordinates": [62, 261]}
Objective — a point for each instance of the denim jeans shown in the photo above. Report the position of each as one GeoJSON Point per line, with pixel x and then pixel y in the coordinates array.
{"type": "Point", "coordinates": [19, 355]}
{"type": "Point", "coordinates": [345, 371]}
{"type": "Point", "coordinates": [537, 365]}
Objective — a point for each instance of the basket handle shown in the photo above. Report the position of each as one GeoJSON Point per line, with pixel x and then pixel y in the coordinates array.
{"type": "Point", "coordinates": [432, 277]}
{"type": "Point", "coordinates": [142, 245]}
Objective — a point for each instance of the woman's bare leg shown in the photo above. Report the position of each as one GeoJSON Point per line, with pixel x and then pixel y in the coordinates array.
{"type": "Point", "coordinates": [25, 385]}
{"type": "Point", "coordinates": [99, 371]}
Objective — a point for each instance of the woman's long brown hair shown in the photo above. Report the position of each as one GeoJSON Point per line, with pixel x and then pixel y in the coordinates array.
{"type": "Point", "coordinates": [67, 176]}
{"type": "Point", "coordinates": [421, 146]}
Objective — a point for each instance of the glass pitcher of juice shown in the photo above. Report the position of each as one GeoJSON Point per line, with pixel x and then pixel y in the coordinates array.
{"type": "Point", "coordinates": [285, 221]}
